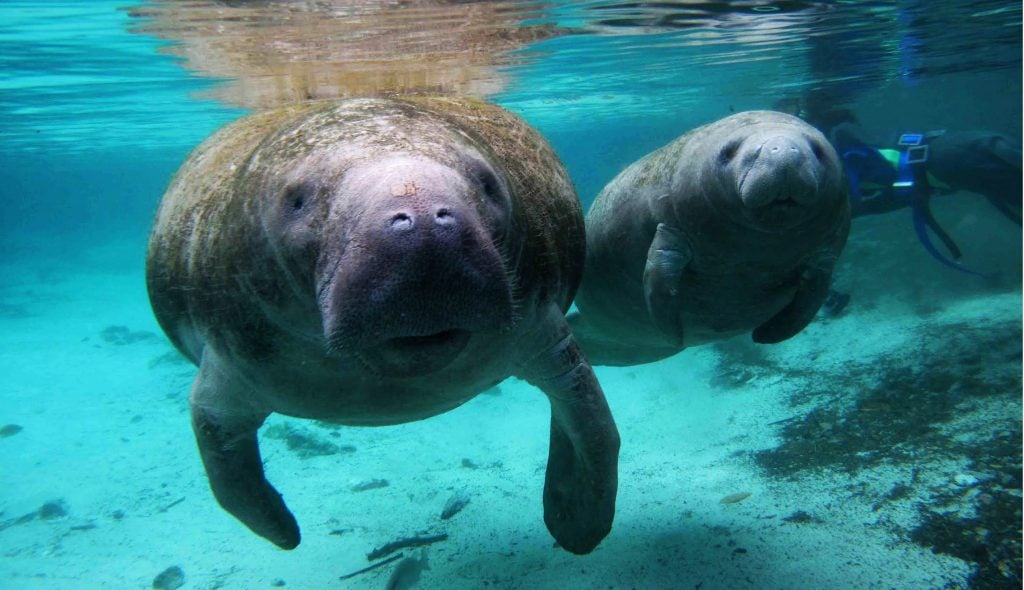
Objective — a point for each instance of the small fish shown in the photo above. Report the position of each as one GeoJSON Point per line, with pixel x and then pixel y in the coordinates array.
{"type": "Point", "coordinates": [455, 504]}
{"type": "Point", "coordinates": [735, 498]}
{"type": "Point", "coordinates": [370, 484]}
{"type": "Point", "coordinates": [407, 572]}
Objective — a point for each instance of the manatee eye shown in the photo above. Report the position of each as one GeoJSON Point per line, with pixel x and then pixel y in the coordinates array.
{"type": "Point", "coordinates": [489, 182]}
{"type": "Point", "coordinates": [492, 187]}
{"type": "Point", "coordinates": [729, 151]}
{"type": "Point", "coordinates": [818, 150]}
{"type": "Point", "coordinates": [495, 202]}
{"type": "Point", "coordinates": [296, 196]}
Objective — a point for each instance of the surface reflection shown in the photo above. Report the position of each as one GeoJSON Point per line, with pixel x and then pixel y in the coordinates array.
{"type": "Point", "coordinates": [281, 51]}
{"type": "Point", "coordinates": [277, 52]}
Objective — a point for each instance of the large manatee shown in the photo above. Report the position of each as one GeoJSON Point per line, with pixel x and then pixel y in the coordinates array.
{"type": "Point", "coordinates": [731, 228]}
{"type": "Point", "coordinates": [372, 262]}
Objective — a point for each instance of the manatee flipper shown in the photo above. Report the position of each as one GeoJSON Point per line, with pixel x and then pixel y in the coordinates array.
{"type": "Point", "coordinates": [810, 294]}
{"type": "Point", "coordinates": [582, 330]}
{"type": "Point", "coordinates": [231, 455]}
{"type": "Point", "coordinates": [582, 472]}
{"type": "Point", "coordinates": [666, 259]}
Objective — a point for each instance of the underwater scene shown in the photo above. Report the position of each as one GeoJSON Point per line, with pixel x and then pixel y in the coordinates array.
{"type": "Point", "coordinates": [520, 295]}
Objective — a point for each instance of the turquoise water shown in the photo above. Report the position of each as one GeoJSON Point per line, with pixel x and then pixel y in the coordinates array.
{"type": "Point", "coordinates": [880, 448]}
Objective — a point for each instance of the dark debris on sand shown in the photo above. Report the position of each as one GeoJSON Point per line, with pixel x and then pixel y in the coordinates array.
{"type": "Point", "coordinates": [901, 405]}
{"type": "Point", "coordinates": [121, 335]}
{"type": "Point", "coordinates": [991, 538]}
{"type": "Point", "coordinates": [899, 412]}
{"type": "Point", "coordinates": [303, 442]}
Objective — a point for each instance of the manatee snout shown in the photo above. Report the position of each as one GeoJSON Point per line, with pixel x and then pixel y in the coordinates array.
{"type": "Point", "coordinates": [783, 169]}
{"type": "Point", "coordinates": [421, 272]}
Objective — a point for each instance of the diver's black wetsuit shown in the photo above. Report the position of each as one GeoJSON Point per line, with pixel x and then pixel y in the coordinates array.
{"type": "Point", "coordinates": [885, 180]}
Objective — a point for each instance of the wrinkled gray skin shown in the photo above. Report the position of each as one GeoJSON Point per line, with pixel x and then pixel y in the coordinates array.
{"type": "Point", "coordinates": [731, 228]}
{"type": "Point", "coordinates": [373, 262]}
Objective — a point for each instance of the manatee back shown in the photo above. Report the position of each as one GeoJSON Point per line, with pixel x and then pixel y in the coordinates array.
{"type": "Point", "coordinates": [620, 225]}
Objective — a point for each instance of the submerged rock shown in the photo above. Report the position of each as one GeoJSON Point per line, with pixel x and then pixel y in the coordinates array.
{"type": "Point", "coordinates": [53, 509]}
{"type": "Point", "coordinates": [10, 430]}
{"type": "Point", "coordinates": [169, 579]}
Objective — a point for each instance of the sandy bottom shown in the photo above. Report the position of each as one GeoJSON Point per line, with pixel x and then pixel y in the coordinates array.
{"type": "Point", "coordinates": [879, 449]}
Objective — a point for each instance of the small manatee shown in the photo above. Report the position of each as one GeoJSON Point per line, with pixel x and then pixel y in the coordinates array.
{"type": "Point", "coordinates": [734, 227]}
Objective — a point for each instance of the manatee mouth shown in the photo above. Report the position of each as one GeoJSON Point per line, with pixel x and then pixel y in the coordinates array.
{"type": "Point", "coordinates": [785, 201]}
{"type": "Point", "coordinates": [413, 344]}
{"type": "Point", "coordinates": [776, 204]}
{"type": "Point", "coordinates": [415, 355]}
{"type": "Point", "coordinates": [790, 191]}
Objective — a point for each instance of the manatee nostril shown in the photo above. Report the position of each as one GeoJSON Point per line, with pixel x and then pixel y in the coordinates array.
{"type": "Point", "coordinates": [782, 148]}
{"type": "Point", "coordinates": [444, 216]}
{"type": "Point", "coordinates": [401, 221]}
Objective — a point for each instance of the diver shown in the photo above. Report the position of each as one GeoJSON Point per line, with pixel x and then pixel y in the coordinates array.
{"type": "Point", "coordinates": [918, 167]}
{"type": "Point", "coordinates": [909, 171]}
{"type": "Point", "coordinates": [923, 165]}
